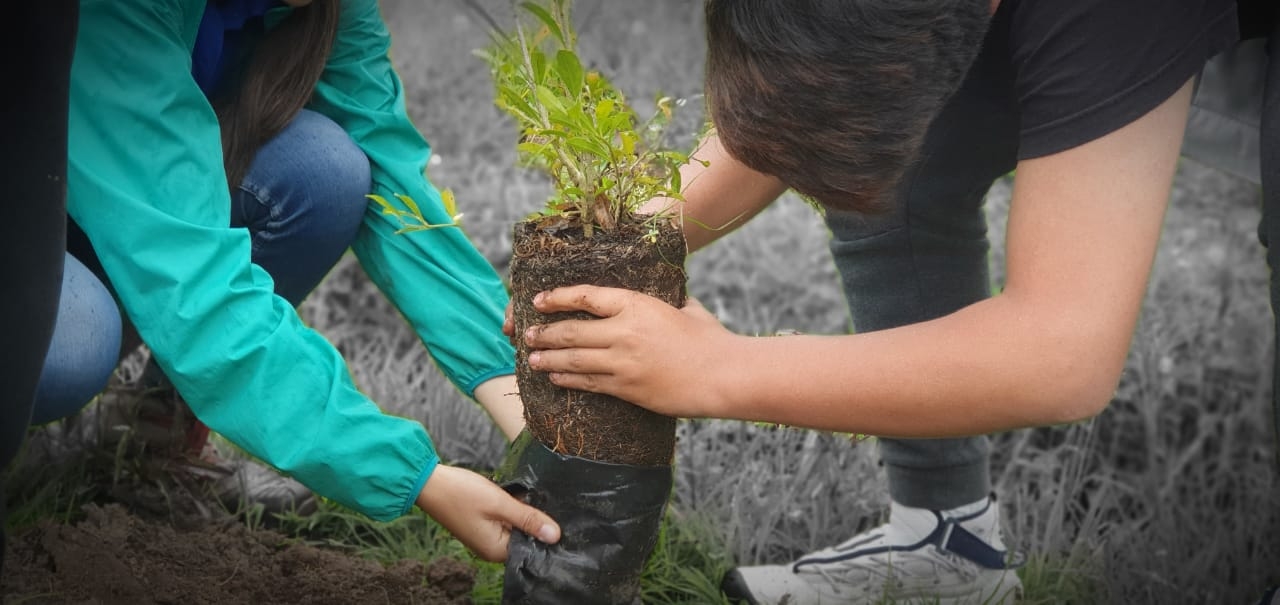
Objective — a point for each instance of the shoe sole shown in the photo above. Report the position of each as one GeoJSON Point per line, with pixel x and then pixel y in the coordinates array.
{"type": "Point", "coordinates": [735, 588]}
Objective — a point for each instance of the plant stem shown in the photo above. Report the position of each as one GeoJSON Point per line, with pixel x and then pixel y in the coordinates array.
{"type": "Point", "coordinates": [542, 110]}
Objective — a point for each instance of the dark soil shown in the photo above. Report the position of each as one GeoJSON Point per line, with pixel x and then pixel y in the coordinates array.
{"type": "Point", "coordinates": [153, 533]}
{"type": "Point", "coordinates": [113, 557]}
{"type": "Point", "coordinates": [550, 253]}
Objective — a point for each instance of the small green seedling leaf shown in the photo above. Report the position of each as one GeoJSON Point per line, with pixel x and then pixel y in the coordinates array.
{"type": "Point", "coordinates": [413, 206]}
{"type": "Point", "coordinates": [545, 17]}
{"type": "Point", "coordinates": [548, 99]}
{"type": "Point", "coordinates": [450, 203]}
{"type": "Point", "coordinates": [570, 71]}
{"type": "Point", "coordinates": [413, 219]}
{"type": "Point", "coordinates": [604, 109]}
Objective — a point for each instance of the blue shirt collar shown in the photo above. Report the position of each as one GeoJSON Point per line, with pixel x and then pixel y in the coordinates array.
{"type": "Point", "coordinates": [218, 36]}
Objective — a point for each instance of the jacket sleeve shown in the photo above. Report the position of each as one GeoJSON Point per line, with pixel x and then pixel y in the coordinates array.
{"type": "Point", "coordinates": [446, 289]}
{"type": "Point", "coordinates": [146, 184]}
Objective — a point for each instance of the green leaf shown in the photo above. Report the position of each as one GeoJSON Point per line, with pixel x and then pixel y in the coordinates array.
{"type": "Point", "coordinates": [578, 118]}
{"type": "Point", "coordinates": [565, 121]}
{"type": "Point", "coordinates": [570, 71]}
{"type": "Point", "coordinates": [538, 61]}
{"type": "Point", "coordinates": [530, 148]}
{"type": "Point", "coordinates": [408, 201]}
{"type": "Point", "coordinates": [604, 109]}
{"type": "Point", "coordinates": [588, 146]}
{"type": "Point", "coordinates": [619, 122]}
{"type": "Point", "coordinates": [547, 20]}
{"type": "Point", "coordinates": [517, 106]}
{"type": "Point", "coordinates": [549, 100]}
{"type": "Point", "coordinates": [551, 132]}
{"type": "Point", "coordinates": [450, 203]}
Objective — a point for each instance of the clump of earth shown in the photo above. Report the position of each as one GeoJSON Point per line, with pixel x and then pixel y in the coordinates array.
{"type": "Point", "coordinates": [144, 533]}
{"type": "Point", "coordinates": [115, 557]}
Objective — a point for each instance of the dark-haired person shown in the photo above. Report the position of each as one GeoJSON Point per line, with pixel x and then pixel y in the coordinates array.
{"type": "Point", "coordinates": [220, 154]}
{"type": "Point", "coordinates": [897, 117]}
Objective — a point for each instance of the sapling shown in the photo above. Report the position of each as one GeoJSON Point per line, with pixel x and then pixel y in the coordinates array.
{"type": "Point", "coordinates": [599, 465]}
{"type": "Point", "coordinates": [604, 163]}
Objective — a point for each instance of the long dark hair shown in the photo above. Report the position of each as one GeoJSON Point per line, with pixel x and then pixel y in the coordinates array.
{"type": "Point", "coordinates": [276, 83]}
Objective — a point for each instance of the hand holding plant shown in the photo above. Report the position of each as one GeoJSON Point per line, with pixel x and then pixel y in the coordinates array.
{"type": "Point", "coordinates": [641, 350]}
{"type": "Point", "coordinates": [599, 464]}
{"type": "Point", "coordinates": [480, 514]}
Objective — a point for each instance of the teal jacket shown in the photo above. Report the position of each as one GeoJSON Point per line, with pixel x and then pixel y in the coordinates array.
{"type": "Point", "coordinates": [146, 183]}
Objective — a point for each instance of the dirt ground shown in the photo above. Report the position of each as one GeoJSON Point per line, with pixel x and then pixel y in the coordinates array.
{"type": "Point", "coordinates": [132, 551]}
{"type": "Point", "coordinates": [115, 557]}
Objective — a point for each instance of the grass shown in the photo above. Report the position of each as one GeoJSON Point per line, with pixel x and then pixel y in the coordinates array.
{"type": "Point", "coordinates": [1164, 498]}
{"type": "Point", "coordinates": [1169, 496]}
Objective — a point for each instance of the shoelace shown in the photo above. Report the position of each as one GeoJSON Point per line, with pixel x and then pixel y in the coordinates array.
{"type": "Point", "coordinates": [884, 571]}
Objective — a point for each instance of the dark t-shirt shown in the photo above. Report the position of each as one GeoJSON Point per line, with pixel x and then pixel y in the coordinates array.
{"type": "Point", "coordinates": [1084, 68]}
{"type": "Point", "coordinates": [1053, 75]}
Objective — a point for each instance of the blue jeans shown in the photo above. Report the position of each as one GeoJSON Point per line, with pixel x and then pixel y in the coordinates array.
{"type": "Point", "coordinates": [85, 345]}
{"type": "Point", "coordinates": [302, 201]}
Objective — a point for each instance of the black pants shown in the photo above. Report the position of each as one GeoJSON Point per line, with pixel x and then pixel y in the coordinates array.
{"type": "Point", "coordinates": [1269, 230]}
{"type": "Point", "coordinates": [33, 209]}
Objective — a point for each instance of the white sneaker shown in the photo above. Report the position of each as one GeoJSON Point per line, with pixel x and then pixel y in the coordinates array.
{"type": "Point", "coordinates": [920, 555]}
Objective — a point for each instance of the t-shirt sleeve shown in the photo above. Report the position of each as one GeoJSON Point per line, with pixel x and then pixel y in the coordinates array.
{"type": "Point", "coordinates": [1086, 68]}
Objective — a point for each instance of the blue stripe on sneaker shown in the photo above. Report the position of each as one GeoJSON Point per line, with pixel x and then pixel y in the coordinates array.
{"type": "Point", "coordinates": [948, 536]}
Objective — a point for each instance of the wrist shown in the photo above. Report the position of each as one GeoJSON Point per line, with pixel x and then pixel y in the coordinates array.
{"type": "Point", "coordinates": [433, 493]}
{"type": "Point", "coordinates": [725, 377]}
{"type": "Point", "coordinates": [500, 397]}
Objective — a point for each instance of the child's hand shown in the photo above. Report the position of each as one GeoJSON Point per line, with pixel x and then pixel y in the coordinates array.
{"type": "Point", "coordinates": [480, 514]}
{"type": "Point", "coordinates": [509, 323]}
{"type": "Point", "coordinates": [641, 350]}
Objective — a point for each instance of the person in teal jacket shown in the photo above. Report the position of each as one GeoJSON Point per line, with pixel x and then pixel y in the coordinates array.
{"type": "Point", "coordinates": [209, 254]}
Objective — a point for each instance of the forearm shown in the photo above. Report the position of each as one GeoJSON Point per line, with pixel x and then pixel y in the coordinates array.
{"type": "Point", "coordinates": [449, 293]}
{"type": "Point", "coordinates": [720, 195]}
{"type": "Point", "coordinates": [500, 397]}
{"type": "Point", "coordinates": [1082, 237]}
{"type": "Point", "coordinates": [992, 366]}
{"type": "Point", "coordinates": [1083, 230]}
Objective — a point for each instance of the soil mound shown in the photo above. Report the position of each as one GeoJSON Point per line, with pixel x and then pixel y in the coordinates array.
{"type": "Point", "coordinates": [113, 557]}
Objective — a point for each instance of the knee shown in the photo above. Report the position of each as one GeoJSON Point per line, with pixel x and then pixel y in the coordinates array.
{"type": "Point", "coordinates": [85, 345]}
{"type": "Point", "coordinates": [330, 171]}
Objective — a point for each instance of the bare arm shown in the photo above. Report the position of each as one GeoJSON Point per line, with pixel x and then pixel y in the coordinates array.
{"type": "Point", "coordinates": [720, 196]}
{"type": "Point", "coordinates": [1083, 232]}
{"type": "Point", "coordinates": [500, 397]}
